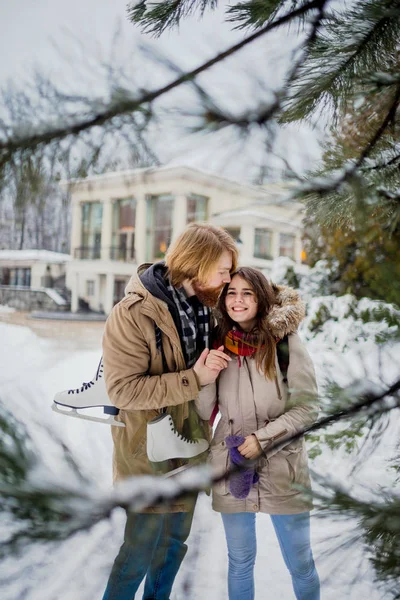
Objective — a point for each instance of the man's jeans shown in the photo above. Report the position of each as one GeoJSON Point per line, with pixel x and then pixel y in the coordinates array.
{"type": "Point", "coordinates": [293, 533]}
{"type": "Point", "coordinates": [154, 546]}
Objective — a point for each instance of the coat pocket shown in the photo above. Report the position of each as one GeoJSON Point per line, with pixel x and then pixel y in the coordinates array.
{"type": "Point", "coordinates": [132, 439]}
{"type": "Point", "coordinates": [219, 460]}
{"type": "Point", "coordinates": [288, 469]}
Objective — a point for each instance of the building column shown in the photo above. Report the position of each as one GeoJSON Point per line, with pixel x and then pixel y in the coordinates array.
{"type": "Point", "coordinates": [179, 216]}
{"type": "Point", "coordinates": [76, 225]}
{"type": "Point", "coordinates": [106, 229]}
{"type": "Point", "coordinates": [75, 293]}
{"type": "Point", "coordinates": [97, 292]}
{"type": "Point", "coordinates": [298, 248]}
{"type": "Point", "coordinates": [247, 239]}
{"type": "Point", "coordinates": [140, 229]}
{"type": "Point", "coordinates": [275, 244]}
{"type": "Point", "coordinates": [109, 295]}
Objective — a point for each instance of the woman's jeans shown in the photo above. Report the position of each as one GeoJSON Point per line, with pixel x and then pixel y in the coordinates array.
{"type": "Point", "coordinates": [154, 546]}
{"type": "Point", "coordinates": [293, 533]}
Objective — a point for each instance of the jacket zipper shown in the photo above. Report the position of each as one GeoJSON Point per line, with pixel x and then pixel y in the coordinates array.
{"type": "Point", "coordinates": [278, 388]}
{"type": "Point", "coordinates": [278, 435]}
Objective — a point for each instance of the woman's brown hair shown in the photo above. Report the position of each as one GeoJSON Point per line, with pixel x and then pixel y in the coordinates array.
{"type": "Point", "coordinates": [265, 298]}
{"type": "Point", "coordinates": [196, 252]}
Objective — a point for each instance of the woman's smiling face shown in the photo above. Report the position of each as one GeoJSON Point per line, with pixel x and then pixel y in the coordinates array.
{"type": "Point", "coordinates": [241, 303]}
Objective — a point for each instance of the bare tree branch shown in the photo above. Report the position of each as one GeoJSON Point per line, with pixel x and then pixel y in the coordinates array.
{"type": "Point", "coordinates": [126, 104]}
{"type": "Point", "coordinates": [55, 512]}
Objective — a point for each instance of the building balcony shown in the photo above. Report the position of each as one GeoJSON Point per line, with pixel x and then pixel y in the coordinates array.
{"type": "Point", "coordinates": [87, 253]}
{"type": "Point", "coordinates": [122, 253]}
{"type": "Point", "coordinates": [117, 253]}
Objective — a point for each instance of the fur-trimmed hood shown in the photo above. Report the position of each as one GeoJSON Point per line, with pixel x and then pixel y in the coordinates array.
{"type": "Point", "coordinates": [287, 313]}
{"type": "Point", "coordinates": [284, 317]}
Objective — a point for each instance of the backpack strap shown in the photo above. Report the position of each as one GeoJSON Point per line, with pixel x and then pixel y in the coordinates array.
{"type": "Point", "coordinates": [214, 413]}
{"type": "Point", "coordinates": [282, 350]}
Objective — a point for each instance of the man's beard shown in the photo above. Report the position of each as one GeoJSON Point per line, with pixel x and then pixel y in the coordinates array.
{"type": "Point", "coordinates": [207, 295]}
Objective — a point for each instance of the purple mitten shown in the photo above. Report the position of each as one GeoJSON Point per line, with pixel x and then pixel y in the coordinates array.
{"type": "Point", "coordinates": [240, 481]}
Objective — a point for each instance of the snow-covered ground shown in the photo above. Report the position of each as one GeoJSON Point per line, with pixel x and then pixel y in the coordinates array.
{"type": "Point", "coordinates": [6, 309]}
{"type": "Point", "coordinates": [41, 358]}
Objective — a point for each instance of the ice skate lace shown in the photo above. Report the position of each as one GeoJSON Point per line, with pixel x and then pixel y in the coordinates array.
{"type": "Point", "coordinates": [88, 384]}
{"type": "Point", "coordinates": [179, 435]}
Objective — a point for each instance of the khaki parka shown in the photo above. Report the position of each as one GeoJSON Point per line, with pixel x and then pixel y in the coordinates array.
{"type": "Point", "coordinates": [136, 379]}
{"type": "Point", "coordinates": [271, 410]}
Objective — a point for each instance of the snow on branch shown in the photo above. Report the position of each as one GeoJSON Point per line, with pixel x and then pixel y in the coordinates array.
{"type": "Point", "coordinates": [47, 510]}
{"type": "Point", "coordinates": [388, 194]}
{"type": "Point", "coordinates": [376, 525]}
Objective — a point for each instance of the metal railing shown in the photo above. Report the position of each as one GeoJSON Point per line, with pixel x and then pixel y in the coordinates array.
{"type": "Point", "coordinates": [122, 253]}
{"type": "Point", "coordinates": [113, 253]}
{"type": "Point", "coordinates": [87, 253]}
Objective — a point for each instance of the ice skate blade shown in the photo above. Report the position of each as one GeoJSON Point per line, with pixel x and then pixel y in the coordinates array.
{"type": "Point", "coordinates": [74, 413]}
{"type": "Point", "coordinates": [156, 456]}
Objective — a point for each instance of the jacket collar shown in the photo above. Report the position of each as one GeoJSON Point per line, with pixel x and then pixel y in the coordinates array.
{"type": "Point", "coordinates": [287, 313]}
{"type": "Point", "coordinates": [154, 307]}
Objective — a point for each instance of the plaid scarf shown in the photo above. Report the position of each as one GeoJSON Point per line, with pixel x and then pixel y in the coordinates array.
{"type": "Point", "coordinates": [194, 326]}
{"type": "Point", "coordinates": [240, 343]}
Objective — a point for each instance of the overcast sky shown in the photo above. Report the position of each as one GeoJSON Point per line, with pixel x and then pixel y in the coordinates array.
{"type": "Point", "coordinates": [63, 37]}
{"type": "Point", "coordinates": [29, 28]}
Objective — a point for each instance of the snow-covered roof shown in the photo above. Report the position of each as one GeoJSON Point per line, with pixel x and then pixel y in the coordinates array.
{"type": "Point", "coordinates": [34, 255]}
{"type": "Point", "coordinates": [260, 215]}
{"type": "Point", "coordinates": [178, 171]}
{"type": "Point", "coordinates": [139, 170]}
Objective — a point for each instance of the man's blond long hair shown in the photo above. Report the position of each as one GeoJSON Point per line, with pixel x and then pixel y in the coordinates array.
{"type": "Point", "coordinates": [196, 252]}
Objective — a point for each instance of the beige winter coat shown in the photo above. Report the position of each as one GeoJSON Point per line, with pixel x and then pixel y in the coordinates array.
{"type": "Point", "coordinates": [270, 409]}
{"type": "Point", "coordinates": [135, 378]}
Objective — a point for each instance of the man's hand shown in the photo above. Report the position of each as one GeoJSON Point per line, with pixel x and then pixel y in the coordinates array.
{"type": "Point", "coordinates": [204, 373]}
{"type": "Point", "coordinates": [217, 359]}
{"type": "Point", "coordinates": [250, 447]}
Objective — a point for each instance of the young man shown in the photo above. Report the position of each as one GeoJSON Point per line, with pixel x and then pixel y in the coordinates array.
{"type": "Point", "coordinates": [154, 349]}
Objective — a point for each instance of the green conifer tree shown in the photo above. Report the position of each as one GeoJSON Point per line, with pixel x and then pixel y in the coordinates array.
{"type": "Point", "coordinates": [347, 73]}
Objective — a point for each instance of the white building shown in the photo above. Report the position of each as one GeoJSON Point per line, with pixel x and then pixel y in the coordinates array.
{"type": "Point", "coordinates": [123, 219]}
{"type": "Point", "coordinates": [32, 268]}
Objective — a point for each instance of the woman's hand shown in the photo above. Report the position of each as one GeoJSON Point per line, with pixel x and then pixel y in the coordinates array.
{"type": "Point", "coordinates": [217, 359]}
{"type": "Point", "coordinates": [251, 447]}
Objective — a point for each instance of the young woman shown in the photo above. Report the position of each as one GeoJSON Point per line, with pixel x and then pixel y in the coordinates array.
{"type": "Point", "coordinates": [259, 407]}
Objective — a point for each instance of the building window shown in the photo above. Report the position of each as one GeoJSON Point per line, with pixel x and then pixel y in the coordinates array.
{"type": "Point", "coordinates": [233, 232]}
{"type": "Point", "coordinates": [4, 276]}
{"type": "Point", "coordinates": [263, 243]}
{"type": "Point", "coordinates": [123, 232]}
{"type": "Point", "coordinates": [89, 288]}
{"type": "Point", "coordinates": [92, 214]}
{"type": "Point", "coordinates": [119, 289]}
{"type": "Point", "coordinates": [286, 245]}
{"type": "Point", "coordinates": [20, 277]}
{"type": "Point", "coordinates": [159, 225]}
{"type": "Point", "coordinates": [196, 208]}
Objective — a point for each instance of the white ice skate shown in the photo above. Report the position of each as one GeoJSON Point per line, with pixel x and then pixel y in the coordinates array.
{"type": "Point", "coordinates": [164, 442]}
{"type": "Point", "coordinates": [89, 395]}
